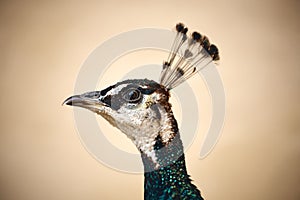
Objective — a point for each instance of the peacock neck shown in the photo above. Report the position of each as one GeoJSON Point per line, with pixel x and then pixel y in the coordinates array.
{"type": "Point", "coordinates": [170, 180]}
{"type": "Point", "coordinates": [165, 173]}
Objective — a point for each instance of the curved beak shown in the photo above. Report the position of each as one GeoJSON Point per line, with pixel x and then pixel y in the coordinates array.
{"type": "Point", "coordinates": [73, 100]}
{"type": "Point", "coordinates": [95, 101]}
{"type": "Point", "coordinates": [89, 100]}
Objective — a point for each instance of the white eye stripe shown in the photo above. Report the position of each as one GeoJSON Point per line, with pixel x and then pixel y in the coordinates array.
{"type": "Point", "coordinates": [116, 90]}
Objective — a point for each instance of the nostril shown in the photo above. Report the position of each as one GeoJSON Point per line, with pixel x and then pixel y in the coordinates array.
{"type": "Point", "coordinates": [92, 95]}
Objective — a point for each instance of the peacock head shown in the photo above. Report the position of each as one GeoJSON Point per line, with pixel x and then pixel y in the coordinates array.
{"type": "Point", "coordinates": [140, 108]}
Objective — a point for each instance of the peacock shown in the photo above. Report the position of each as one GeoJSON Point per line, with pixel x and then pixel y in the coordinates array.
{"type": "Point", "coordinates": [140, 108]}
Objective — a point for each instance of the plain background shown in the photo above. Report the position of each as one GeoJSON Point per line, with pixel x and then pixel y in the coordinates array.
{"type": "Point", "coordinates": [44, 43]}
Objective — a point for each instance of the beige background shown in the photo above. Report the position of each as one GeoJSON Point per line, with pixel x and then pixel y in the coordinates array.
{"type": "Point", "coordinates": [43, 44]}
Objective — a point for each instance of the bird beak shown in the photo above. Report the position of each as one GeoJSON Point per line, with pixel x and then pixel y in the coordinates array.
{"type": "Point", "coordinates": [89, 100]}
{"type": "Point", "coordinates": [94, 102]}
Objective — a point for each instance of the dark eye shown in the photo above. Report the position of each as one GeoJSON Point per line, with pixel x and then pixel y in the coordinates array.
{"type": "Point", "coordinates": [132, 95]}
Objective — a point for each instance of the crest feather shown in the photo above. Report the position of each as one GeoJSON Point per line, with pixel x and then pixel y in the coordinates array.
{"type": "Point", "coordinates": [188, 55]}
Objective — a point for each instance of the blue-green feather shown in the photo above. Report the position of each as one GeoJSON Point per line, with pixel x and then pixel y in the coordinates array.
{"type": "Point", "coordinates": [171, 181]}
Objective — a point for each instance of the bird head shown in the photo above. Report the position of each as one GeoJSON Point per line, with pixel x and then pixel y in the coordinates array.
{"type": "Point", "coordinates": [139, 108]}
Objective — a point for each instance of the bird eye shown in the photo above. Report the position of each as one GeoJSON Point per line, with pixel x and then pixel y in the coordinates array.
{"type": "Point", "coordinates": [132, 95]}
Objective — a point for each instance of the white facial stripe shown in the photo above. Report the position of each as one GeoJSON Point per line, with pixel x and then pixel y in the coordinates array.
{"type": "Point", "coordinates": [116, 90]}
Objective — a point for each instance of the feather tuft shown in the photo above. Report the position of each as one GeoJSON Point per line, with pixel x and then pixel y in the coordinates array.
{"type": "Point", "coordinates": [188, 55]}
